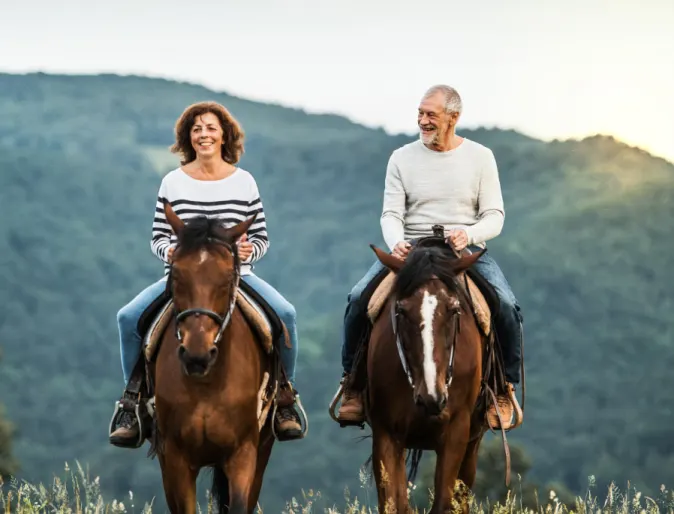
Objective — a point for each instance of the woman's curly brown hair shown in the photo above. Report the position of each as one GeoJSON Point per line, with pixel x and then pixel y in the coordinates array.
{"type": "Point", "coordinates": [233, 134]}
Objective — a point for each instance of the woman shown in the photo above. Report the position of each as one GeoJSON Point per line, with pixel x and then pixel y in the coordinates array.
{"type": "Point", "coordinates": [208, 183]}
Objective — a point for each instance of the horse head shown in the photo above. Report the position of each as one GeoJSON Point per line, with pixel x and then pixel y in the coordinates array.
{"type": "Point", "coordinates": [203, 279]}
{"type": "Point", "coordinates": [426, 305]}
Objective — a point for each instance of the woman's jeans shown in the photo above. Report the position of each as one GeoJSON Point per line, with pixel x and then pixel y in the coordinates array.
{"type": "Point", "coordinates": [131, 340]}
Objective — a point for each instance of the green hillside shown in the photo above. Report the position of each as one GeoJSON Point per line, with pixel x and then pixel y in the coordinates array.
{"type": "Point", "coordinates": [587, 246]}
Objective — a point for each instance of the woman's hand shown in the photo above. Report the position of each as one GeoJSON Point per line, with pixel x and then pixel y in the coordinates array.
{"type": "Point", "coordinates": [245, 248]}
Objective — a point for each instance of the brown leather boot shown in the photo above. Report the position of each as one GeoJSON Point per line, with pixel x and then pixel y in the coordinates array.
{"type": "Point", "coordinates": [509, 410]}
{"type": "Point", "coordinates": [126, 432]}
{"type": "Point", "coordinates": [288, 424]}
{"type": "Point", "coordinates": [352, 407]}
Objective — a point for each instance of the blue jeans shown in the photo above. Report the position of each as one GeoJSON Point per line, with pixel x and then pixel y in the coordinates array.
{"type": "Point", "coordinates": [508, 319]}
{"type": "Point", "coordinates": [131, 340]}
{"type": "Point", "coordinates": [286, 312]}
{"type": "Point", "coordinates": [355, 317]}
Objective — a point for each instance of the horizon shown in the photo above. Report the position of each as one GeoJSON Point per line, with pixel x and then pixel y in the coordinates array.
{"type": "Point", "coordinates": [337, 114]}
{"type": "Point", "coordinates": [548, 71]}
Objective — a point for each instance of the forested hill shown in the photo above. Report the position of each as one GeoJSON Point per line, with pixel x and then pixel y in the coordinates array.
{"type": "Point", "coordinates": [587, 246]}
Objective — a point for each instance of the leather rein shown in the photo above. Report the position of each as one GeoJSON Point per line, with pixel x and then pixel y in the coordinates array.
{"type": "Point", "coordinates": [223, 322]}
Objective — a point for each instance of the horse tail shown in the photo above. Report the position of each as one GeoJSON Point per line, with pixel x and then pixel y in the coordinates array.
{"type": "Point", "coordinates": [220, 491]}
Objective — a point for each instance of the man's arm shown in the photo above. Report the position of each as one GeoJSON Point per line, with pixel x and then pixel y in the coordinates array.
{"type": "Point", "coordinates": [393, 213]}
{"type": "Point", "coordinates": [490, 205]}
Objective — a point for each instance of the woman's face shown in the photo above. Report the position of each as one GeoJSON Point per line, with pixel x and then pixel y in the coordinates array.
{"type": "Point", "coordinates": [206, 135]}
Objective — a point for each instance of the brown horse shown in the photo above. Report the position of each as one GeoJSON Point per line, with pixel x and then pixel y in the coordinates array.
{"type": "Point", "coordinates": [424, 374]}
{"type": "Point", "coordinates": [208, 372]}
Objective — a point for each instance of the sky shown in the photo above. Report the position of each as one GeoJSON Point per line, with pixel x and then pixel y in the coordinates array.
{"type": "Point", "coordinates": [549, 69]}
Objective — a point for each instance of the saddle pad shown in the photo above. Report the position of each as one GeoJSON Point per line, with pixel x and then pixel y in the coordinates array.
{"type": "Point", "coordinates": [383, 291]}
{"type": "Point", "coordinates": [250, 309]}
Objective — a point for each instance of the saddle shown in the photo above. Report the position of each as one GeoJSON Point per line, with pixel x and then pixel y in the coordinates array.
{"type": "Point", "coordinates": [267, 326]}
{"type": "Point", "coordinates": [481, 307]}
{"type": "Point", "coordinates": [484, 304]}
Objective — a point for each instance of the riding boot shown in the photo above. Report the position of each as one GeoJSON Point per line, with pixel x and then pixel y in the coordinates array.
{"type": "Point", "coordinates": [352, 404]}
{"type": "Point", "coordinates": [287, 422]}
{"type": "Point", "coordinates": [127, 430]}
{"type": "Point", "coordinates": [509, 410]}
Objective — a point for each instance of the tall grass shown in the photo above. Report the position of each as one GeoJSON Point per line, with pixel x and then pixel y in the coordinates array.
{"type": "Point", "coordinates": [78, 493]}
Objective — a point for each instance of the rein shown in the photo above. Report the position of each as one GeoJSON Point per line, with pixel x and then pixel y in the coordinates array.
{"type": "Point", "coordinates": [223, 322]}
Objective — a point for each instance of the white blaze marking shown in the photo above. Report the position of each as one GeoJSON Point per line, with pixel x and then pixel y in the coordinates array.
{"type": "Point", "coordinates": [428, 305]}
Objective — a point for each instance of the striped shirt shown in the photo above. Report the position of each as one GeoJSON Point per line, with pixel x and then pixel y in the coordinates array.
{"type": "Point", "coordinates": [232, 199]}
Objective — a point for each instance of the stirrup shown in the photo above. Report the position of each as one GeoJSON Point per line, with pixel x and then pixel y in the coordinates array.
{"type": "Point", "coordinates": [333, 405]}
{"type": "Point", "coordinates": [141, 410]}
{"type": "Point", "coordinates": [304, 420]}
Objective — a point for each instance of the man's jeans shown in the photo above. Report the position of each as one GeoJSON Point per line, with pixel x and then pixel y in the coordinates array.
{"type": "Point", "coordinates": [131, 341]}
{"type": "Point", "coordinates": [508, 320]}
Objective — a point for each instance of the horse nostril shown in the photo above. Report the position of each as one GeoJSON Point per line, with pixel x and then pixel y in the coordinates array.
{"type": "Point", "coordinates": [181, 351]}
{"type": "Point", "coordinates": [213, 353]}
{"type": "Point", "coordinates": [418, 400]}
{"type": "Point", "coordinates": [443, 402]}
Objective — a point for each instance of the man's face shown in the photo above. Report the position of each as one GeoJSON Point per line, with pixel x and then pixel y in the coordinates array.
{"type": "Point", "coordinates": [434, 122]}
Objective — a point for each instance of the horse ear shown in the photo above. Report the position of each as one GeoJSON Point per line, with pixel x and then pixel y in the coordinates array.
{"type": "Point", "coordinates": [388, 260]}
{"type": "Point", "coordinates": [463, 263]}
{"type": "Point", "coordinates": [176, 223]}
{"type": "Point", "coordinates": [235, 232]}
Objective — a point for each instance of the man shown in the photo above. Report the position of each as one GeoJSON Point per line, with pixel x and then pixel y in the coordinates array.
{"type": "Point", "coordinates": [452, 181]}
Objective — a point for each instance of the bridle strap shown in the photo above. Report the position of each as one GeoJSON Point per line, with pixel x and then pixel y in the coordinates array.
{"type": "Point", "coordinates": [219, 320]}
{"type": "Point", "coordinates": [401, 351]}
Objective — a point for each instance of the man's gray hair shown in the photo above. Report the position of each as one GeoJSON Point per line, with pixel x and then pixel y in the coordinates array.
{"type": "Point", "coordinates": [452, 99]}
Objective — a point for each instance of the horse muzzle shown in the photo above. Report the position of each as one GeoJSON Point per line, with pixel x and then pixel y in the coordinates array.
{"type": "Point", "coordinates": [197, 364]}
{"type": "Point", "coordinates": [431, 406]}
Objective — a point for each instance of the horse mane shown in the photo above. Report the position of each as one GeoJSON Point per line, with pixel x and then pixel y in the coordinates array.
{"type": "Point", "coordinates": [200, 232]}
{"type": "Point", "coordinates": [430, 259]}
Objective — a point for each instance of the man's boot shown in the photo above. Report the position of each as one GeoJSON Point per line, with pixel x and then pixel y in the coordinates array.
{"type": "Point", "coordinates": [509, 410]}
{"type": "Point", "coordinates": [352, 405]}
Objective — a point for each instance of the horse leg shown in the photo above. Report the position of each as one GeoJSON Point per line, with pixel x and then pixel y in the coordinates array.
{"type": "Point", "coordinates": [179, 479]}
{"type": "Point", "coordinates": [240, 469]}
{"type": "Point", "coordinates": [450, 456]}
{"type": "Point", "coordinates": [469, 464]}
{"type": "Point", "coordinates": [389, 472]}
{"type": "Point", "coordinates": [263, 454]}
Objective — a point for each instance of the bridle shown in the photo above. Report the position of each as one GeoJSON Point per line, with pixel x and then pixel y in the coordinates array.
{"type": "Point", "coordinates": [438, 236]}
{"type": "Point", "coordinates": [223, 322]}
{"type": "Point", "coordinates": [395, 317]}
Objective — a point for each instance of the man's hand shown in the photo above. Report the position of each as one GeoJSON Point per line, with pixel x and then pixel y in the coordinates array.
{"type": "Point", "coordinates": [401, 249]}
{"type": "Point", "coordinates": [458, 238]}
{"type": "Point", "coordinates": [245, 248]}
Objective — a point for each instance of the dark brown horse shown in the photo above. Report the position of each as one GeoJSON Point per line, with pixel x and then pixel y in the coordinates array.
{"type": "Point", "coordinates": [207, 376]}
{"type": "Point", "coordinates": [424, 374]}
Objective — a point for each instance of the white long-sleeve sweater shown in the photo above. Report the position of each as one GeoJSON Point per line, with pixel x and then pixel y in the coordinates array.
{"type": "Point", "coordinates": [459, 188]}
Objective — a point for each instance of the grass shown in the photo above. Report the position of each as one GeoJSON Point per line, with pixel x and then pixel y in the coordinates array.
{"type": "Point", "coordinates": [77, 493]}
